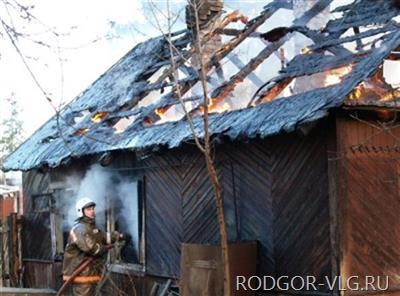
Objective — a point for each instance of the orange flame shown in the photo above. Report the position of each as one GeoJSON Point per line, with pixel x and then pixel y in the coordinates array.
{"type": "Point", "coordinates": [147, 121]}
{"type": "Point", "coordinates": [305, 50]}
{"type": "Point", "coordinates": [99, 116]}
{"type": "Point", "coordinates": [356, 93]}
{"type": "Point", "coordinates": [161, 111]}
{"type": "Point", "coordinates": [215, 106]}
{"type": "Point", "coordinates": [374, 89]}
{"type": "Point", "coordinates": [391, 95]}
{"type": "Point", "coordinates": [81, 131]}
{"type": "Point", "coordinates": [335, 76]}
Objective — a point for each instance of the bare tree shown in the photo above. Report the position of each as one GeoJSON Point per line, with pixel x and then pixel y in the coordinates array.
{"type": "Point", "coordinates": [202, 139]}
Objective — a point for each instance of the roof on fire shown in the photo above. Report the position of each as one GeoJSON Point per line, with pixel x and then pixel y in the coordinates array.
{"type": "Point", "coordinates": [89, 124]}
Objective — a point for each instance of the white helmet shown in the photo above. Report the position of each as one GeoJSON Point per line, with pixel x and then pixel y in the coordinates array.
{"type": "Point", "coordinates": [82, 203]}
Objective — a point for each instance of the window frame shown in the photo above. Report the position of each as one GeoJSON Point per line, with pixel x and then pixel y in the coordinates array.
{"type": "Point", "coordinates": [138, 268]}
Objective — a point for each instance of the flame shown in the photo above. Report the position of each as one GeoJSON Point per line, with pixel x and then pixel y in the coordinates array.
{"type": "Point", "coordinates": [172, 113]}
{"type": "Point", "coordinates": [225, 107]}
{"type": "Point", "coordinates": [305, 50]}
{"type": "Point", "coordinates": [99, 116]}
{"type": "Point", "coordinates": [374, 89]}
{"type": "Point", "coordinates": [81, 131]}
{"type": "Point", "coordinates": [335, 76]}
{"type": "Point", "coordinates": [215, 106]}
{"type": "Point", "coordinates": [391, 95]}
{"type": "Point", "coordinates": [161, 111]}
{"type": "Point", "coordinates": [356, 93]}
{"type": "Point", "coordinates": [147, 121]}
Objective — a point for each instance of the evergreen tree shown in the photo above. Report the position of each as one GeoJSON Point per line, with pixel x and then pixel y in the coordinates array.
{"type": "Point", "coordinates": [11, 129]}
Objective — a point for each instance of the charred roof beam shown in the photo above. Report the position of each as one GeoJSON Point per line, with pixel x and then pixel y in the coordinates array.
{"type": "Point", "coordinates": [329, 42]}
{"type": "Point", "coordinates": [251, 26]}
{"type": "Point", "coordinates": [362, 13]}
{"type": "Point", "coordinates": [227, 88]}
{"type": "Point", "coordinates": [239, 64]}
{"type": "Point", "coordinates": [301, 66]}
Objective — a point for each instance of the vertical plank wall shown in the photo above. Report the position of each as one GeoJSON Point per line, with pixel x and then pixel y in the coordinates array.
{"type": "Point", "coordinates": [275, 191]}
{"type": "Point", "coordinates": [301, 206]}
{"type": "Point", "coordinates": [36, 253]}
{"type": "Point", "coordinates": [369, 204]}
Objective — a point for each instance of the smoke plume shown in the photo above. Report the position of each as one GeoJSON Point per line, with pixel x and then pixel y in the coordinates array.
{"type": "Point", "coordinates": [107, 189]}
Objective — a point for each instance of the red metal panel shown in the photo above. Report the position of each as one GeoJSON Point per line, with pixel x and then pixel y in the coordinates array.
{"type": "Point", "coordinates": [369, 203]}
{"type": "Point", "coordinates": [7, 206]}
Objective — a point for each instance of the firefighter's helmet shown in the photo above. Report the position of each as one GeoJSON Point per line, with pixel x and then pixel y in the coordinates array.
{"type": "Point", "coordinates": [82, 203]}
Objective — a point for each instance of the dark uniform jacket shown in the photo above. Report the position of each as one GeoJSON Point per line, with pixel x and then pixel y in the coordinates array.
{"type": "Point", "coordinates": [84, 241]}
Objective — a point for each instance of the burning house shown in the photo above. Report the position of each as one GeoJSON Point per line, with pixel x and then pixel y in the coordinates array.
{"type": "Point", "coordinates": [311, 173]}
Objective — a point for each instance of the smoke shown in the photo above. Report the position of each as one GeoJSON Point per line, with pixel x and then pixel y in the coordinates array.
{"type": "Point", "coordinates": [94, 185]}
{"type": "Point", "coordinates": [129, 211]}
{"type": "Point", "coordinates": [107, 189]}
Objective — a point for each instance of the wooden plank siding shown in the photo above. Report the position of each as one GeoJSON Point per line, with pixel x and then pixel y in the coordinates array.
{"type": "Point", "coordinates": [163, 216]}
{"type": "Point", "coordinates": [369, 203]}
{"type": "Point", "coordinates": [253, 183]}
{"type": "Point", "coordinates": [301, 207]}
{"type": "Point", "coordinates": [34, 182]}
{"type": "Point", "coordinates": [275, 191]}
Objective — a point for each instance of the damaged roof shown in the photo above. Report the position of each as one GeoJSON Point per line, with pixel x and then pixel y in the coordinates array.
{"type": "Point", "coordinates": [125, 107]}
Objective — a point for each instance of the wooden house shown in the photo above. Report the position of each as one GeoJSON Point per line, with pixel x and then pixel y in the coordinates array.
{"type": "Point", "coordinates": [312, 176]}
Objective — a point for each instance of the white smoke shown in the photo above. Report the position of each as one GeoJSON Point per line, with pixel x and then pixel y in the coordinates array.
{"type": "Point", "coordinates": [94, 185]}
{"type": "Point", "coordinates": [106, 188]}
{"type": "Point", "coordinates": [129, 199]}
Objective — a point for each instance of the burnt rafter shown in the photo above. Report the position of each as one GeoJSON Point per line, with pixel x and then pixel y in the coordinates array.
{"type": "Point", "coordinates": [329, 42]}
{"type": "Point", "coordinates": [270, 91]}
{"type": "Point", "coordinates": [308, 64]}
{"type": "Point", "coordinates": [239, 64]}
{"type": "Point", "coordinates": [303, 65]}
{"type": "Point", "coordinates": [362, 13]}
{"type": "Point", "coordinates": [234, 16]}
{"type": "Point", "coordinates": [278, 36]}
{"type": "Point", "coordinates": [226, 89]}
{"type": "Point", "coordinates": [183, 58]}
{"type": "Point", "coordinates": [116, 93]}
{"type": "Point", "coordinates": [251, 26]}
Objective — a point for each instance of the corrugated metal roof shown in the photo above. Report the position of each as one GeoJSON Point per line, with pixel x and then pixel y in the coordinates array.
{"type": "Point", "coordinates": [120, 89]}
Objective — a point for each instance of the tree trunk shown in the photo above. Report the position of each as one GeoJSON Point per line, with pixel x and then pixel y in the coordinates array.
{"type": "Point", "coordinates": [221, 221]}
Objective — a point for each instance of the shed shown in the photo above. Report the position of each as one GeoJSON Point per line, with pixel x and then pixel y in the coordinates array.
{"type": "Point", "coordinates": [311, 175]}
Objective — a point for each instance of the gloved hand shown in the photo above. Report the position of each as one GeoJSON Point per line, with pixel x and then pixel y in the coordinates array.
{"type": "Point", "coordinates": [117, 236]}
{"type": "Point", "coordinates": [126, 237]}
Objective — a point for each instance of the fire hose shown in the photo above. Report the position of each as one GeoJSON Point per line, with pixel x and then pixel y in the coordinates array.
{"type": "Point", "coordinates": [78, 270]}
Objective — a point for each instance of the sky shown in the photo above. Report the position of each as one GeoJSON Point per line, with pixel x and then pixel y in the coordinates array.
{"type": "Point", "coordinates": [93, 35]}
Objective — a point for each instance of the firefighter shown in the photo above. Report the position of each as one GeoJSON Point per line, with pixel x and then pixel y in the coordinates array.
{"type": "Point", "coordinates": [85, 241]}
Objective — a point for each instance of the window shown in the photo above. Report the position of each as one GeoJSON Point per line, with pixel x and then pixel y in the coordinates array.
{"type": "Point", "coordinates": [42, 202]}
{"type": "Point", "coordinates": [127, 217]}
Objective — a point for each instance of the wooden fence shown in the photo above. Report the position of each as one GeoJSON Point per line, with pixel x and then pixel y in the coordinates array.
{"type": "Point", "coordinates": [10, 251]}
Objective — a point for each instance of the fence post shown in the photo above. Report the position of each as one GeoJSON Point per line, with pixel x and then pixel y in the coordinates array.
{"type": "Point", "coordinates": [1, 254]}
